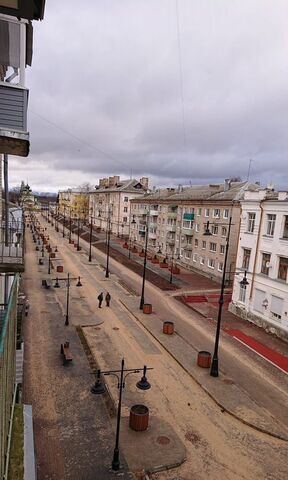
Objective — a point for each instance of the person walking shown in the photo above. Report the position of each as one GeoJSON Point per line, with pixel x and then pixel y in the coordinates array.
{"type": "Point", "coordinates": [107, 299]}
{"type": "Point", "coordinates": [100, 298]}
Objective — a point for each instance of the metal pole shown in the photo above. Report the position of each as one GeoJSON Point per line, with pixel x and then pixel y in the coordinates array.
{"type": "Point", "coordinates": [144, 264]}
{"type": "Point", "coordinates": [49, 264]}
{"type": "Point", "coordinates": [108, 249]}
{"type": "Point", "coordinates": [78, 233]}
{"type": "Point", "coordinates": [6, 193]}
{"type": "Point", "coordinates": [90, 241]}
{"type": "Point", "coordinates": [171, 272]}
{"type": "Point", "coordinates": [67, 300]}
{"type": "Point", "coordinates": [214, 372]}
{"type": "Point", "coordinates": [115, 461]}
{"type": "Point", "coordinates": [70, 228]}
{"type": "Point", "coordinates": [63, 233]}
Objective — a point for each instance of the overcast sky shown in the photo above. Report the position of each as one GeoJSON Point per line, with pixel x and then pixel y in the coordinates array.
{"type": "Point", "coordinates": [179, 91]}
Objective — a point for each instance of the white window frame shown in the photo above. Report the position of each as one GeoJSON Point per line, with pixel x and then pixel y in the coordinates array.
{"type": "Point", "coordinates": [207, 212]}
{"type": "Point", "coordinates": [220, 269]}
{"type": "Point", "coordinates": [214, 213]}
{"type": "Point", "coordinates": [194, 258]}
{"type": "Point", "coordinates": [210, 247]}
{"type": "Point", "coordinates": [251, 222]}
{"type": "Point", "coordinates": [226, 210]}
{"type": "Point", "coordinates": [211, 263]}
{"type": "Point", "coordinates": [270, 228]}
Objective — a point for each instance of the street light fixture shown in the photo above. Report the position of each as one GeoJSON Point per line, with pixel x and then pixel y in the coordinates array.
{"type": "Point", "coordinates": [64, 219]}
{"type": "Point", "coordinates": [145, 261]}
{"type": "Point", "coordinates": [108, 243]}
{"type": "Point", "coordinates": [90, 238]}
{"type": "Point", "coordinates": [78, 234]}
{"type": "Point", "coordinates": [99, 388]}
{"type": "Point", "coordinates": [133, 222]}
{"type": "Point", "coordinates": [67, 280]}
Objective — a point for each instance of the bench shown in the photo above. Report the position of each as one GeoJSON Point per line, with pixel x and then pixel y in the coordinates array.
{"type": "Point", "coordinates": [66, 352]}
{"type": "Point", "coordinates": [46, 283]}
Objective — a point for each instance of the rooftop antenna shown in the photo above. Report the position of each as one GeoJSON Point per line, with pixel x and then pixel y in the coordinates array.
{"type": "Point", "coordinates": [249, 168]}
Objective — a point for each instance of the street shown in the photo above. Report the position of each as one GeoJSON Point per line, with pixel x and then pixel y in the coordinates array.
{"type": "Point", "coordinates": [72, 435]}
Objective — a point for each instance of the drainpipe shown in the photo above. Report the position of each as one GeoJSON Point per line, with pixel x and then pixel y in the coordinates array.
{"type": "Point", "coordinates": [256, 252]}
{"type": "Point", "coordinates": [10, 434]}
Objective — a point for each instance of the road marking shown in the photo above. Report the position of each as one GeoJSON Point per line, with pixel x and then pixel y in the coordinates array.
{"type": "Point", "coordinates": [262, 356]}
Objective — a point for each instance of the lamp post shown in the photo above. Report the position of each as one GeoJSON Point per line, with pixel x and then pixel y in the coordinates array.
{"type": "Point", "coordinates": [67, 280]}
{"type": "Point", "coordinates": [57, 219]}
{"type": "Point", "coordinates": [90, 240]}
{"type": "Point", "coordinates": [64, 219]}
{"type": "Point", "coordinates": [99, 388]}
{"type": "Point", "coordinates": [171, 269]}
{"type": "Point", "coordinates": [214, 372]}
{"type": "Point", "coordinates": [130, 223]}
{"type": "Point", "coordinates": [70, 227]}
{"type": "Point", "coordinates": [144, 262]}
{"type": "Point", "coordinates": [108, 245]}
{"type": "Point", "coordinates": [78, 233]}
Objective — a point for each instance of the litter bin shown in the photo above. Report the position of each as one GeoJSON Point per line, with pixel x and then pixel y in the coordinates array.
{"type": "Point", "coordinates": [147, 308]}
{"type": "Point", "coordinates": [204, 359]}
{"type": "Point", "coordinates": [139, 418]}
{"type": "Point", "coordinates": [168, 328]}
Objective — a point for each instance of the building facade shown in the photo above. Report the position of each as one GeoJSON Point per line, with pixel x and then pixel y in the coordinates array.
{"type": "Point", "coordinates": [109, 204]}
{"type": "Point", "coordinates": [263, 253]}
{"type": "Point", "coordinates": [178, 220]}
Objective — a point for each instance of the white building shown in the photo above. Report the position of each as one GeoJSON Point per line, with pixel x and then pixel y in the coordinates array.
{"type": "Point", "coordinates": [263, 253]}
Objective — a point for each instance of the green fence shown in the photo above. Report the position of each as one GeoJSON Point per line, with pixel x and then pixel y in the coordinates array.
{"type": "Point", "coordinates": [8, 325]}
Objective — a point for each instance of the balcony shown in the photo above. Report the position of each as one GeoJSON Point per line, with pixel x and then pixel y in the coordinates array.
{"type": "Point", "coordinates": [187, 231]}
{"type": "Point", "coordinates": [188, 247]}
{"type": "Point", "coordinates": [152, 235]}
{"type": "Point", "coordinates": [11, 248]}
{"type": "Point", "coordinates": [154, 213]}
{"type": "Point", "coordinates": [171, 228]}
{"type": "Point", "coordinates": [172, 215]}
{"type": "Point", "coordinates": [170, 241]}
{"type": "Point", "coordinates": [188, 216]}
{"type": "Point", "coordinates": [14, 137]}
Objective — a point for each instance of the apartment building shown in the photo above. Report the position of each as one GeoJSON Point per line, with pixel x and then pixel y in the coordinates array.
{"type": "Point", "coordinates": [74, 202]}
{"type": "Point", "coordinates": [178, 220]}
{"type": "Point", "coordinates": [110, 202]}
{"type": "Point", "coordinates": [263, 254]}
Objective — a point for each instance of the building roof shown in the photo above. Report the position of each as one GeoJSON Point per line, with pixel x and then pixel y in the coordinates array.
{"type": "Point", "coordinates": [129, 186]}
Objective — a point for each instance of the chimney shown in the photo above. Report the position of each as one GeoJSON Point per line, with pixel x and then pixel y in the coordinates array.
{"type": "Point", "coordinates": [226, 184]}
{"type": "Point", "coordinates": [144, 181]}
{"type": "Point", "coordinates": [116, 180]}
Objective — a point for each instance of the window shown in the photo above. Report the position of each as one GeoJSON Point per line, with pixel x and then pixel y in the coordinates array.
{"type": "Point", "coordinates": [265, 263]}
{"type": "Point", "coordinates": [187, 255]}
{"type": "Point", "coordinates": [224, 232]}
{"type": "Point", "coordinates": [211, 263]}
{"type": "Point", "coordinates": [203, 244]}
{"type": "Point", "coordinates": [220, 266]}
{"type": "Point", "coordinates": [251, 222]}
{"type": "Point", "coordinates": [125, 209]}
{"type": "Point", "coordinates": [246, 258]}
{"type": "Point", "coordinates": [242, 293]}
{"type": "Point", "coordinates": [124, 219]}
{"type": "Point", "coordinates": [199, 211]}
{"type": "Point", "coordinates": [258, 300]}
{"type": "Point", "coordinates": [222, 249]}
{"type": "Point", "coordinates": [125, 199]}
{"type": "Point", "coordinates": [194, 257]}
{"type": "Point", "coordinates": [216, 213]}
{"type": "Point", "coordinates": [187, 224]}
{"type": "Point", "coordinates": [213, 247]}
{"type": "Point", "coordinates": [214, 229]}
{"type": "Point", "coordinates": [207, 212]}
{"type": "Point", "coordinates": [226, 213]}
{"type": "Point", "coordinates": [271, 219]}
{"type": "Point", "coordinates": [285, 228]}
{"type": "Point", "coordinates": [196, 227]}
{"type": "Point", "coordinates": [283, 268]}
{"type": "Point", "coordinates": [196, 242]}
{"type": "Point", "coordinates": [202, 260]}
{"type": "Point", "coordinates": [276, 307]}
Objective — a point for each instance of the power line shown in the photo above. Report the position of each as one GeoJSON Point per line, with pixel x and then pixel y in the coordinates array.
{"type": "Point", "coordinates": [78, 139]}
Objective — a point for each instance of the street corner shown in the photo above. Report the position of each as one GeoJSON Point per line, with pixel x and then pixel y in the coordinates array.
{"type": "Point", "coordinates": [153, 450]}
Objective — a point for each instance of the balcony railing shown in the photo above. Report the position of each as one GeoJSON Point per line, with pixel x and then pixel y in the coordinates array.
{"type": "Point", "coordinates": [12, 248]}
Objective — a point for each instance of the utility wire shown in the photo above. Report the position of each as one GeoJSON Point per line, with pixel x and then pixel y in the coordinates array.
{"type": "Point", "coordinates": [78, 139]}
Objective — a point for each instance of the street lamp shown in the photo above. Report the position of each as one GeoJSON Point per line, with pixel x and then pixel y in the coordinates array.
{"type": "Point", "coordinates": [133, 222]}
{"type": "Point", "coordinates": [214, 372]}
{"type": "Point", "coordinates": [70, 227]}
{"type": "Point", "coordinates": [171, 268]}
{"type": "Point", "coordinates": [64, 219]}
{"type": "Point", "coordinates": [98, 389]}
{"type": "Point", "coordinates": [78, 234]}
{"type": "Point", "coordinates": [67, 280]}
{"type": "Point", "coordinates": [145, 261]}
{"type": "Point", "coordinates": [90, 240]}
{"type": "Point", "coordinates": [108, 243]}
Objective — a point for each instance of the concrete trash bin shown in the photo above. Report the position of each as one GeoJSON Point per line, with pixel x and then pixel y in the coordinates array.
{"type": "Point", "coordinates": [147, 308]}
{"type": "Point", "coordinates": [204, 359]}
{"type": "Point", "coordinates": [168, 328]}
{"type": "Point", "coordinates": [59, 268]}
{"type": "Point", "coordinates": [139, 418]}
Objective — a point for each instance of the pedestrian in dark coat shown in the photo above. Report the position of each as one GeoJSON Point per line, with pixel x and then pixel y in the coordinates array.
{"type": "Point", "coordinates": [27, 306]}
{"type": "Point", "coordinates": [100, 298]}
{"type": "Point", "coordinates": [108, 298]}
